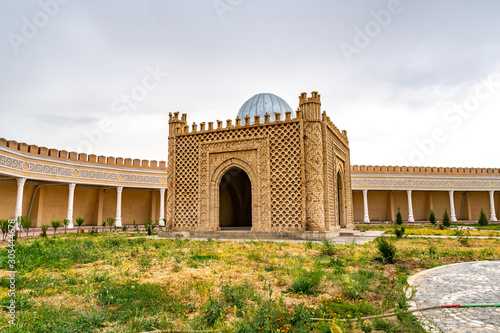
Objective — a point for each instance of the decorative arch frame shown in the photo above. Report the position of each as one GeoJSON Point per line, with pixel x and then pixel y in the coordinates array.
{"type": "Point", "coordinates": [216, 158]}
{"type": "Point", "coordinates": [215, 181]}
{"type": "Point", "coordinates": [340, 188]}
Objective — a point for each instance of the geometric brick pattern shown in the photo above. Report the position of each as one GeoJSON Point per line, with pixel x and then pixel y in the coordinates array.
{"type": "Point", "coordinates": [286, 173]}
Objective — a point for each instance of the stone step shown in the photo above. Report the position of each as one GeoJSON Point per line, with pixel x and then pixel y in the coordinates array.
{"type": "Point", "coordinates": [350, 233]}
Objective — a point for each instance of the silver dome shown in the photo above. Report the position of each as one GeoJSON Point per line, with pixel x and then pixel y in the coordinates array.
{"type": "Point", "coordinates": [261, 104]}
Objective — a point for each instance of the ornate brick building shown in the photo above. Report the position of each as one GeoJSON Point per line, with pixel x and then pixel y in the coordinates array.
{"type": "Point", "coordinates": [271, 170]}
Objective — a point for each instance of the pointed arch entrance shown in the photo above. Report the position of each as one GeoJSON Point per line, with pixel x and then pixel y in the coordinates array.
{"type": "Point", "coordinates": [235, 200]}
{"type": "Point", "coordinates": [341, 201]}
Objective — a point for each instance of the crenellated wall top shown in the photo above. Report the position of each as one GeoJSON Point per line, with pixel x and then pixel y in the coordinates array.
{"type": "Point", "coordinates": [423, 171]}
{"type": "Point", "coordinates": [179, 126]}
{"type": "Point", "coordinates": [83, 158]}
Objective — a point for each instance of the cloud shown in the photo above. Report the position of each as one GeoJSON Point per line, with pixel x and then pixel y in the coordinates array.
{"type": "Point", "coordinates": [65, 80]}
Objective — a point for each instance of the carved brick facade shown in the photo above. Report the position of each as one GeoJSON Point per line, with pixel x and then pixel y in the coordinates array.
{"type": "Point", "coordinates": [292, 165]}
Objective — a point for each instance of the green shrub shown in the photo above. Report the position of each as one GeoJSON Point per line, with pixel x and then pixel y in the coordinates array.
{"type": "Point", "coordinates": [463, 237]}
{"type": "Point", "coordinates": [308, 245]}
{"type": "Point", "coordinates": [399, 217]}
{"type": "Point", "coordinates": [387, 249]}
{"type": "Point", "coordinates": [79, 221]}
{"type": "Point", "coordinates": [4, 224]}
{"type": "Point", "coordinates": [328, 248]}
{"type": "Point", "coordinates": [483, 220]}
{"type": "Point", "coordinates": [306, 282]}
{"type": "Point", "coordinates": [55, 224]}
{"type": "Point", "coordinates": [432, 217]}
{"type": "Point", "coordinates": [124, 228]}
{"type": "Point", "coordinates": [65, 222]}
{"type": "Point", "coordinates": [399, 232]}
{"type": "Point", "coordinates": [110, 222]}
{"type": "Point", "coordinates": [26, 224]}
{"type": "Point", "coordinates": [44, 230]}
{"type": "Point", "coordinates": [446, 219]}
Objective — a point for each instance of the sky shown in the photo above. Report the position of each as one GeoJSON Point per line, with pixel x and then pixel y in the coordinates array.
{"type": "Point", "coordinates": [412, 82]}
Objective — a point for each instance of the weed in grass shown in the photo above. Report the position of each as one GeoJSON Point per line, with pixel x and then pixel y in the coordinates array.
{"type": "Point", "coordinates": [213, 311]}
{"type": "Point", "coordinates": [463, 236]}
{"type": "Point", "coordinates": [328, 248]}
{"type": "Point", "coordinates": [151, 298]}
{"type": "Point", "coordinates": [145, 261]}
{"type": "Point", "coordinates": [487, 252]}
{"type": "Point", "coordinates": [356, 285]}
{"type": "Point", "coordinates": [255, 256]}
{"type": "Point", "coordinates": [306, 282]}
{"type": "Point", "coordinates": [336, 262]}
{"type": "Point", "coordinates": [432, 252]}
{"type": "Point", "coordinates": [201, 256]}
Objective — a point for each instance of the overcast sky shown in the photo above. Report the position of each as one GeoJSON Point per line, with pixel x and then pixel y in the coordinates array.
{"type": "Point", "coordinates": [413, 82]}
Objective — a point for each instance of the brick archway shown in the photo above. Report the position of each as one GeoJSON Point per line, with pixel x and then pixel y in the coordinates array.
{"type": "Point", "coordinates": [341, 197]}
{"type": "Point", "coordinates": [215, 194]}
{"type": "Point", "coordinates": [235, 200]}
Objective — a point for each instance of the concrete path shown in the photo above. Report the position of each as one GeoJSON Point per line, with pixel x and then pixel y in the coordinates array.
{"type": "Point", "coordinates": [464, 283]}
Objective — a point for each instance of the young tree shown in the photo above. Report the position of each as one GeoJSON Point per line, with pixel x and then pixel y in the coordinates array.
{"type": "Point", "coordinates": [432, 218]}
{"type": "Point", "coordinates": [103, 226]}
{"type": "Point", "coordinates": [66, 223]}
{"type": "Point", "coordinates": [55, 224]}
{"type": "Point", "coordinates": [399, 217]}
{"type": "Point", "coordinates": [483, 220]}
{"type": "Point", "coordinates": [26, 224]}
{"type": "Point", "coordinates": [446, 219]}
{"type": "Point", "coordinates": [111, 221]}
{"type": "Point", "coordinates": [44, 231]}
{"type": "Point", "coordinates": [79, 221]}
{"type": "Point", "coordinates": [4, 224]}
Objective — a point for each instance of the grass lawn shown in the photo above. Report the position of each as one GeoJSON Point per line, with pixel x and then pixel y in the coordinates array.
{"type": "Point", "coordinates": [492, 230]}
{"type": "Point", "coordinates": [118, 283]}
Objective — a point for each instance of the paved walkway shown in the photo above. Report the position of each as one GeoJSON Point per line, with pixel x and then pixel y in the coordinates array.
{"type": "Point", "coordinates": [464, 283]}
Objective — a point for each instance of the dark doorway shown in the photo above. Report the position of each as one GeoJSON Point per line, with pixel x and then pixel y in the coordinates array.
{"type": "Point", "coordinates": [340, 200]}
{"type": "Point", "coordinates": [235, 206]}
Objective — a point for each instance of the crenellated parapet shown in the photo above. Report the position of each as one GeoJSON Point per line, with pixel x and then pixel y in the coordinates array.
{"type": "Point", "coordinates": [424, 171]}
{"type": "Point", "coordinates": [179, 126]}
{"type": "Point", "coordinates": [342, 135]}
{"type": "Point", "coordinates": [83, 158]}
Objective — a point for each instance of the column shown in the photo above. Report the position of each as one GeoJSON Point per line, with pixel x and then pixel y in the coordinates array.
{"type": "Point", "coordinates": [366, 218]}
{"type": "Point", "coordinates": [119, 191]}
{"type": "Point", "coordinates": [71, 199]}
{"type": "Point", "coordinates": [492, 204]}
{"type": "Point", "coordinates": [453, 216]}
{"type": "Point", "coordinates": [162, 207]}
{"type": "Point", "coordinates": [410, 207]}
{"type": "Point", "coordinates": [19, 200]}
